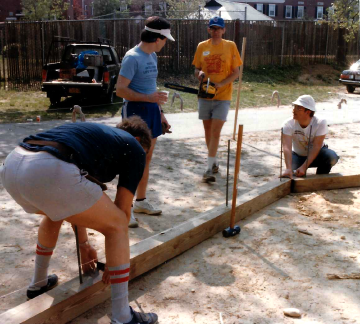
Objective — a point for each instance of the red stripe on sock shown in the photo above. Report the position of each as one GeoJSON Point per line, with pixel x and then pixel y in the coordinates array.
{"type": "Point", "coordinates": [39, 247]}
{"type": "Point", "coordinates": [119, 280]}
{"type": "Point", "coordinates": [119, 272]}
{"type": "Point", "coordinates": [43, 253]}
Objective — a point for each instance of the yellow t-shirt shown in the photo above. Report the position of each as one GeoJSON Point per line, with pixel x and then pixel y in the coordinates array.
{"type": "Point", "coordinates": [218, 62]}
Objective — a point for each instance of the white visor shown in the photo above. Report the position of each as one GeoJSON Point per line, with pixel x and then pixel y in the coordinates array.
{"type": "Point", "coordinates": [164, 32]}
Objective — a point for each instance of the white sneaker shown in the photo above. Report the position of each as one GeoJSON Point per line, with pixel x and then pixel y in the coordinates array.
{"type": "Point", "coordinates": [146, 208]}
{"type": "Point", "coordinates": [133, 222]}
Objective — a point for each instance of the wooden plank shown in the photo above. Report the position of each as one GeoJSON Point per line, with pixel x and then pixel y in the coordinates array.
{"type": "Point", "coordinates": [325, 182]}
{"type": "Point", "coordinates": [71, 299]}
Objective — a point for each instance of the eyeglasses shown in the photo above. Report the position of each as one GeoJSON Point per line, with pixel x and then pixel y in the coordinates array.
{"type": "Point", "coordinates": [298, 108]}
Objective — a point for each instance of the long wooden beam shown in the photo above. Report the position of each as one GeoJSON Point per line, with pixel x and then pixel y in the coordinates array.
{"type": "Point", "coordinates": [325, 182]}
{"type": "Point", "coordinates": [71, 299]}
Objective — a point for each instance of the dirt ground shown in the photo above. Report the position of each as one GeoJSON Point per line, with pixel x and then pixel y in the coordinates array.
{"type": "Point", "coordinates": [249, 278]}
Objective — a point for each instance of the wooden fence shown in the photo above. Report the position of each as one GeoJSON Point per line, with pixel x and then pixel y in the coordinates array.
{"type": "Point", "coordinates": [26, 44]}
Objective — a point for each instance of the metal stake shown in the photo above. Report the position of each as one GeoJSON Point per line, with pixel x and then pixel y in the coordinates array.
{"type": "Point", "coordinates": [307, 158]}
{"type": "Point", "coordinates": [281, 153]}
{"type": "Point", "coordinates": [227, 174]}
{"type": "Point", "coordinates": [78, 254]}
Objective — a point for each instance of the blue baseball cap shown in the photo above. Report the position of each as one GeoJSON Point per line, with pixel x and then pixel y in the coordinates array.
{"type": "Point", "coordinates": [217, 21]}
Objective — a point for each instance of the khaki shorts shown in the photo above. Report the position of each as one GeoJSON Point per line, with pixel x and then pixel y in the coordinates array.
{"type": "Point", "coordinates": [38, 181]}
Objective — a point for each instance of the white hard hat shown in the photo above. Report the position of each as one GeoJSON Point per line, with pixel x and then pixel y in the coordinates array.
{"type": "Point", "coordinates": [305, 101]}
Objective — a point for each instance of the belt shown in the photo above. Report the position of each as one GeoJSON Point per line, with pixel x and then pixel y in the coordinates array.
{"type": "Point", "coordinates": [67, 153]}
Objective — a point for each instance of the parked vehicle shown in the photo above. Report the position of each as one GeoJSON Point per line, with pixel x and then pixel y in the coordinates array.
{"type": "Point", "coordinates": [351, 77]}
{"type": "Point", "coordinates": [86, 70]}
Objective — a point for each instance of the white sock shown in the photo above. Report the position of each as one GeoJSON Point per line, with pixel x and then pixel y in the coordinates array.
{"type": "Point", "coordinates": [211, 161]}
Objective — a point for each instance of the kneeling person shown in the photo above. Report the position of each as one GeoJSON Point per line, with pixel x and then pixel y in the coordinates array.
{"type": "Point", "coordinates": [303, 141]}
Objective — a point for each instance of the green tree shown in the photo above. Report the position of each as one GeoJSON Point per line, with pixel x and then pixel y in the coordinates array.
{"type": "Point", "coordinates": [104, 7]}
{"type": "Point", "coordinates": [345, 14]}
{"type": "Point", "coordinates": [44, 9]}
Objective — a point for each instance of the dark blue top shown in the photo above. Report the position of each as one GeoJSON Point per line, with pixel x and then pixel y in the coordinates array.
{"type": "Point", "coordinates": [101, 150]}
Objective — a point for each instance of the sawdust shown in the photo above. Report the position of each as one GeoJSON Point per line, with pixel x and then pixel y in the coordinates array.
{"type": "Point", "coordinates": [250, 278]}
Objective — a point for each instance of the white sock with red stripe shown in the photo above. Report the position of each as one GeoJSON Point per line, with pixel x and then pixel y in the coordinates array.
{"type": "Point", "coordinates": [42, 261]}
{"type": "Point", "coordinates": [119, 278]}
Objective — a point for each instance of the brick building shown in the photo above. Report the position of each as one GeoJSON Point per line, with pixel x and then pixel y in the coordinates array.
{"type": "Point", "coordinates": [10, 10]}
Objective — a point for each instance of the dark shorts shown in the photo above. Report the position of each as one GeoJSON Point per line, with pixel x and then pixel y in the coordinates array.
{"type": "Point", "coordinates": [148, 111]}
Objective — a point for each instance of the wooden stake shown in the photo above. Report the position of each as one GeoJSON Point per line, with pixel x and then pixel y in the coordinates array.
{"type": "Point", "coordinates": [240, 82]}
{"type": "Point", "coordinates": [237, 169]}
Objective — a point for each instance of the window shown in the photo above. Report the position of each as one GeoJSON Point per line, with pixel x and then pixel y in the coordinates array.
{"type": "Point", "coordinates": [272, 10]}
{"type": "Point", "coordinates": [300, 13]}
{"type": "Point", "coordinates": [319, 12]}
{"type": "Point", "coordinates": [123, 6]}
{"type": "Point", "coordinates": [260, 7]}
{"type": "Point", "coordinates": [148, 8]}
{"type": "Point", "coordinates": [301, 3]}
{"type": "Point", "coordinates": [288, 12]}
{"type": "Point", "coordinates": [11, 14]}
{"type": "Point", "coordinates": [85, 14]}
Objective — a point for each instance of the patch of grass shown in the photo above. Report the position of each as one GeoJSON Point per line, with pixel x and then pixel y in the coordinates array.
{"type": "Point", "coordinates": [256, 91]}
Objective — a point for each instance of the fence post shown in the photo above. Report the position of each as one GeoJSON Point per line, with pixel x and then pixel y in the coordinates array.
{"type": "Point", "coordinates": [327, 42]}
{"type": "Point", "coordinates": [43, 43]}
{"type": "Point", "coordinates": [282, 44]}
{"type": "Point", "coordinates": [178, 45]}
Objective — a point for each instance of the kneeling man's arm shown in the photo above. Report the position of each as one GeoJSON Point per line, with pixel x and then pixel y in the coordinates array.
{"type": "Point", "coordinates": [287, 148]}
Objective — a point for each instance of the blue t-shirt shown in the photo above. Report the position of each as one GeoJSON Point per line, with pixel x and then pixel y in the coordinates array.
{"type": "Point", "coordinates": [101, 150]}
{"type": "Point", "coordinates": [141, 69]}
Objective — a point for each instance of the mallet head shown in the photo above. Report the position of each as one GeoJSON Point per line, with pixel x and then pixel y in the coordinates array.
{"type": "Point", "coordinates": [229, 232]}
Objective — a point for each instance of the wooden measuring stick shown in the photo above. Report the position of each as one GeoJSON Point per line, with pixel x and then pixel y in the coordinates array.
{"type": "Point", "coordinates": [240, 82]}
{"type": "Point", "coordinates": [237, 169]}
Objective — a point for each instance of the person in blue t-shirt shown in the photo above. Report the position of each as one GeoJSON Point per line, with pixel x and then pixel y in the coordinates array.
{"type": "Point", "coordinates": [137, 85]}
{"type": "Point", "coordinates": [59, 174]}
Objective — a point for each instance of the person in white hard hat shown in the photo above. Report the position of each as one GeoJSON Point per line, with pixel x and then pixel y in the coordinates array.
{"type": "Point", "coordinates": [303, 141]}
{"type": "Point", "coordinates": [137, 85]}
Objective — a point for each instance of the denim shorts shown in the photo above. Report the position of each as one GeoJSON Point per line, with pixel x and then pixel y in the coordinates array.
{"type": "Point", "coordinates": [213, 109]}
{"type": "Point", "coordinates": [38, 181]}
{"type": "Point", "coordinates": [148, 111]}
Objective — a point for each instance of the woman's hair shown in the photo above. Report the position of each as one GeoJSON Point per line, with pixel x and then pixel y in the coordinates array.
{"type": "Point", "coordinates": [154, 22]}
{"type": "Point", "coordinates": [135, 126]}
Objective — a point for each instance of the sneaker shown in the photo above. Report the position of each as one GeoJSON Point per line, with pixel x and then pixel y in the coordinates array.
{"type": "Point", "coordinates": [133, 222]}
{"type": "Point", "coordinates": [52, 282]}
{"type": "Point", "coordinates": [208, 177]}
{"type": "Point", "coordinates": [146, 208]}
{"type": "Point", "coordinates": [140, 318]}
{"type": "Point", "coordinates": [215, 167]}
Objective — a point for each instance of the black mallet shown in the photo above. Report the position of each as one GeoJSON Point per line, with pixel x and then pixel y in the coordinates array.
{"type": "Point", "coordinates": [234, 230]}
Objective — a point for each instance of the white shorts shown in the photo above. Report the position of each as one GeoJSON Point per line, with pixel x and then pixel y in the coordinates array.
{"type": "Point", "coordinates": [38, 181]}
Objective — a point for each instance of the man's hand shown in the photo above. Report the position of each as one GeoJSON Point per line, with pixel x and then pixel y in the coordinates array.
{"type": "Point", "coordinates": [201, 76]}
{"type": "Point", "coordinates": [158, 97]}
{"type": "Point", "coordinates": [300, 172]}
{"type": "Point", "coordinates": [218, 85]}
{"type": "Point", "coordinates": [88, 258]}
{"type": "Point", "coordinates": [166, 125]}
{"type": "Point", "coordinates": [288, 173]}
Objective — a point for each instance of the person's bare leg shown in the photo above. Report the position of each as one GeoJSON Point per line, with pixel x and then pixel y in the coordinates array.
{"type": "Point", "coordinates": [48, 232]}
{"type": "Point", "coordinates": [108, 219]}
{"type": "Point", "coordinates": [141, 189]}
{"type": "Point", "coordinates": [215, 132]}
{"type": "Point", "coordinates": [207, 128]}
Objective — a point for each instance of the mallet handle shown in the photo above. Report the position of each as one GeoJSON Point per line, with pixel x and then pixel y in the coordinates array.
{"type": "Point", "coordinates": [237, 169]}
{"type": "Point", "coordinates": [240, 82]}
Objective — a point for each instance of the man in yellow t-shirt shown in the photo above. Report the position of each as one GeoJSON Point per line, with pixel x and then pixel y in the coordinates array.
{"type": "Point", "coordinates": [219, 60]}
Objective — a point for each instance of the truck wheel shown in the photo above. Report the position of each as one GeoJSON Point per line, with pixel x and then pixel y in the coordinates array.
{"type": "Point", "coordinates": [350, 88]}
{"type": "Point", "coordinates": [55, 99]}
{"type": "Point", "coordinates": [110, 96]}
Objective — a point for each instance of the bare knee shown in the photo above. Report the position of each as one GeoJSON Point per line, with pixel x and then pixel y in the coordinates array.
{"type": "Point", "coordinates": [116, 225]}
